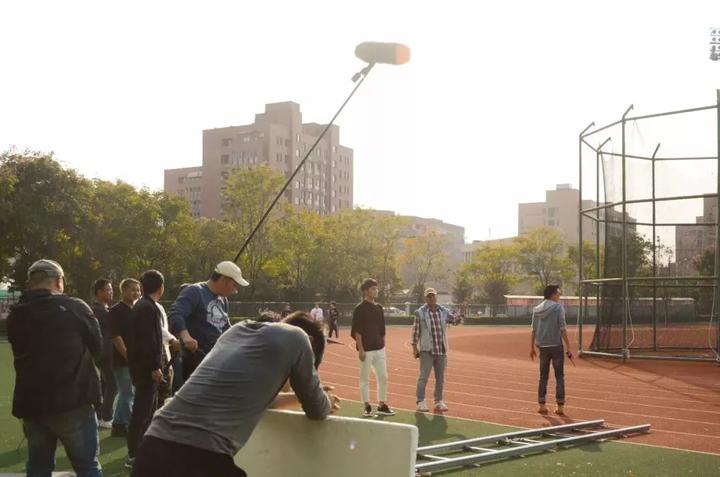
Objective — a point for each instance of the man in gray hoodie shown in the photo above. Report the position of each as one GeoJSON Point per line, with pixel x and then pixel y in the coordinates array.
{"type": "Point", "coordinates": [549, 331]}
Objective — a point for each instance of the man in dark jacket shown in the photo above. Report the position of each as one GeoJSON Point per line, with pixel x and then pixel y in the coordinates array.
{"type": "Point", "coordinates": [54, 339]}
{"type": "Point", "coordinates": [102, 299]}
{"type": "Point", "coordinates": [145, 357]}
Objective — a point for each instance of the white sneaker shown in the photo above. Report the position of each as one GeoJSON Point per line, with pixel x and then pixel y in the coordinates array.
{"type": "Point", "coordinates": [422, 407]}
{"type": "Point", "coordinates": [104, 424]}
{"type": "Point", "coordinates": [440, 406]}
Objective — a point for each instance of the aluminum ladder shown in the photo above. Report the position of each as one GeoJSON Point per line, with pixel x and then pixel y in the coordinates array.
{"type": "Point", "coordinates": [520, 443]}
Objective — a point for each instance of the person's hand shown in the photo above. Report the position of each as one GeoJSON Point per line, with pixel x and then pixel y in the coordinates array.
{"type": "Point", "coordinates": [157, 376]}
{"type": "Point", "coordinates": [175, 345]}
{"type": "Point", "coordinates": [334, 400]}
{"type": "Point", "coordinates": [416, 352]}
{"type": "Point", "coordinates": [190, 344]}
{"type": "Point", "coordinates": [533, 353]}
{"type": "Point", "coordinates": [361, 355]}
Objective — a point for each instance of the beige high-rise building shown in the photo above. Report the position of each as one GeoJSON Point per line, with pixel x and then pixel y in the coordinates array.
{"type": "Point", "coordinates": [692, 241]}
{"type": "Point", "coordinates": [559, 211]}
{"type": "Point", "coordinates": [279, 140]}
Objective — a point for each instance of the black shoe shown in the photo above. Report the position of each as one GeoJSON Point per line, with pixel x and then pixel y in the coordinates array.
{"type": "Point", "coordinates": [118, 431]}
{"type": "Point", "coordinates": [384, 410]}
{"type": "Point", "coordinates": [368, 411]}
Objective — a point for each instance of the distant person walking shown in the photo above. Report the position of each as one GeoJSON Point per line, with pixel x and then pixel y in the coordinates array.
{"type": "Point", "coordinates": [54, 339]}
{"type": "Point", "coordinates": [333, 320]}
{"type": "Point", "coordinates": [549, 331]}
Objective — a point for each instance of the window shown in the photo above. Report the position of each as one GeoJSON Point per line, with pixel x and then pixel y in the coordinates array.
{"type": "Point", "coordinates": [297, 184]}
{"type": "Point", "coordinates": [287, 142]}
{"type": "Point", "coordinates": [551, 212]}
{"type": "Point", "coordinates": [551, 222]}
{"type": "Point", "coordinates": [224, 159]}
{"type": "Point", "coordinates": [226, 142]}
{"type": "Point", "coordinates": [287, 159]}
{"type": "Point", "coordinates": [297, 153]}
{"type": "Point", "coordinates": [297, 138]}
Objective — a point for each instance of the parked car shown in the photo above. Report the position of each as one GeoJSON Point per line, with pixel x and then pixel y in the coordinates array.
{"type": "Point", "coordinates": [393, 311]}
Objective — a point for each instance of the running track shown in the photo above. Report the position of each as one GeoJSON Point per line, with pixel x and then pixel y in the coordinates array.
{"type": "Point", "coordinates": [490, 377]}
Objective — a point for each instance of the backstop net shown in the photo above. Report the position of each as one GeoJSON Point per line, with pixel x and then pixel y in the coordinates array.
{"type": "Point", "coordinates": [649, 215]}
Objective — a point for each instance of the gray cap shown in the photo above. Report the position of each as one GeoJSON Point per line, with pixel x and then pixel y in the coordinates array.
{"type": "Point", "coordinates": [49, 267]}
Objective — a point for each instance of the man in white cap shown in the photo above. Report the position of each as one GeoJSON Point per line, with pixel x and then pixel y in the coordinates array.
{"type": "Point", "coordinates": [54, 338]}
{"type": "Point", "coordinates": [430, 345]}
{"type": "Point", "coordinates": [200, 313]}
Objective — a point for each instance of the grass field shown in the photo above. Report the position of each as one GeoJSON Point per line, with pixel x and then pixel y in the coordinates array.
{"type": "Point", "coordinates": [607, 459]}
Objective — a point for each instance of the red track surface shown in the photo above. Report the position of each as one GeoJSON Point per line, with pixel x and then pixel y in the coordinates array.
{"type": "Point", "coordinates": [490, 377]}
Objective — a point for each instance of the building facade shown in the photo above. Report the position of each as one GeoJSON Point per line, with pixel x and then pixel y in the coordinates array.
{"type": "Point", "coordinates": [691, 241]}
{"type": "Point", "coordinates": [277, 139]}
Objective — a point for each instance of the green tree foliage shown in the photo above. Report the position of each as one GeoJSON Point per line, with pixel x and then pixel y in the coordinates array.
{"type": "Point", "coordinates": [425, 258]}
{"type": "Point", "coordinates": [494, 270]}
{"type": "Point", "coordinates": [542, 254]}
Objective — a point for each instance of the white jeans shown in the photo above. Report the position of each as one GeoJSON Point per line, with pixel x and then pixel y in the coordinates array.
{"type": "Point", "coordinates": [376, 360]}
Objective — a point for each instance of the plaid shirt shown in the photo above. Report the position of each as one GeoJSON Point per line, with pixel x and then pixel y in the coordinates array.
{"type": "Point", "coordinates": [436, 331]}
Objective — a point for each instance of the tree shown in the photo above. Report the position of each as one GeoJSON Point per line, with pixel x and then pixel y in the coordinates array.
{"type": "Point", "coordinates": [247, 195]}
{"type": "Point", "coordinates": [493, 269]}
{"type": "Point", "coordinates": [425, 258]}
{"type": "Point", "coordinates": [589, 262]}
{"type": "Point", "coordinates": [541, 253]}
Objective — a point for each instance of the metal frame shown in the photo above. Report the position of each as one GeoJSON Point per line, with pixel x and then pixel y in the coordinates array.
{"type": "Point", "coordinates": [594, 214]}
{"type": "Point", "coordinates": [518, 443]}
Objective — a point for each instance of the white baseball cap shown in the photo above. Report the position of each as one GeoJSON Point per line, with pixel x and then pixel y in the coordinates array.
{"type": "Point", "coordinates": [231, 270]}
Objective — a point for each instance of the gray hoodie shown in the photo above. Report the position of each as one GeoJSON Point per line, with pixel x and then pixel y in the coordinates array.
{"type": "Point", "coordinates": [548, 320]}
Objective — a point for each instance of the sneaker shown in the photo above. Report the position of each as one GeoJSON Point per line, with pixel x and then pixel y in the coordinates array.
{"type": "Point", "coordinates": [384, 410]}
{"type": "Point", "coordinates": [560, 410]}
{"type": "Point", "coordinates": [118, 431]}
{"type": "Point", "coordinates": [440, 406]}
{"type": "Point", "coordinates": [105, 424]}
{"type": "Point", "coordinates": [129, 462]}
{"type": "Point", "coordinates": [368, 411]}
{"type": "Point", "coordinates": [542, 409]}
{"type": "Point", "coordinates": [422, 407]}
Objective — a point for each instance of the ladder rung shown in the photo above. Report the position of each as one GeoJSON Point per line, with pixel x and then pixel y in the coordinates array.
{"type": "Point", "coordinates": [480, 449]}
{"type": "Point", "coordinates": [528, 441]}
{"type": "Point", "coordinates": [433, 457]}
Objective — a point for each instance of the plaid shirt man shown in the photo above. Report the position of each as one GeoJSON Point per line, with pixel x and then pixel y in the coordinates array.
{"type": "Point", "coordinates": [436, 331]}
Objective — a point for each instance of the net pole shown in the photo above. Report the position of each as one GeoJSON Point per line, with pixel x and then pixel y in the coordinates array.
{"type": "Point", "coordinates": [654, 312]}
{"type": "Point", "coordinates": [625, 351]}
{"type": "Point", "coordinates": [716, 297]}
{"type": "Point", "coordinates": [598, 288]}
{"type": "Point", "coordinates": [580, 237]}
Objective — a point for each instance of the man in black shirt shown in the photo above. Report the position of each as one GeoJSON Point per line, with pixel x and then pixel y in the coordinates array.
{"type": "Point", "coordinates": [102, 299]}
{"type": "Point", "coordinates": [54, 339]}
{"type": "Point", "coordinates": [368, 331]}
{"type": "Point", "coordinates": [145, 357]}
{"type": "Point", "coordinates": [119, 330]}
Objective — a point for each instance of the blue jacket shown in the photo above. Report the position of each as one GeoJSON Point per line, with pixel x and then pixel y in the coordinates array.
{"type": "Point", "coordinates": [422, 322]}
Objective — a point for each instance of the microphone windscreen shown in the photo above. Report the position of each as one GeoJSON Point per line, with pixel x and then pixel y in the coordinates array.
{"type": "Point", "coordinates": [389, 53]}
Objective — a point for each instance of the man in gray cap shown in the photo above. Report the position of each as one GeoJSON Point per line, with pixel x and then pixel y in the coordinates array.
{"type": "Point", "coordinates": [54, 339]}
{"type": "Point", "coordinates": [200, 313]}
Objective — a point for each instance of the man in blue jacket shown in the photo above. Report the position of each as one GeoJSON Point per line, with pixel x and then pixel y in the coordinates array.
{"type": "Point", "coordinates": [430, 345]}
{"type": "Point", "coordinates": [549, 330]}
{"type": "Point", "coordinates": [200, 313]}
{"type": "Point", "coordinates": [54, 339]}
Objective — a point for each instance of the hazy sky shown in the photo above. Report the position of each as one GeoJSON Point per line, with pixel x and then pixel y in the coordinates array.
{"type": "Point", "coordinates": [484, 116]}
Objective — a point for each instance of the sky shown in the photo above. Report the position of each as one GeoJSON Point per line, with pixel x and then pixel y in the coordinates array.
{"type": "Point", "coordinates": [485, 115]}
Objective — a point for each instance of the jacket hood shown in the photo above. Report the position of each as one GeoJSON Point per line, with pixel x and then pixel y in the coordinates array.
{"type": "Point", "coordinates": [545, 308]}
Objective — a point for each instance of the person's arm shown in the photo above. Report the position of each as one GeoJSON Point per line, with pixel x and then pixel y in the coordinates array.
{"type": "Point", "coordinates": [148, 354]}
{"type": "Point", "coordinates": [92, 336]}
{"type": "Point", "coordinates": [304, 380]}
{"type": "Point", "coordinates": [563, 332]}
{"type": "Point", "coordinates": [533, 352]}
{"type": "Point", "coordinates": [120, 347]}
{"type": "Point", "coordinates": [416, 335]}
{"type": "Point", "coordinates": [355, 333]}
{"type": "Point", "coordinates": [179, 311]}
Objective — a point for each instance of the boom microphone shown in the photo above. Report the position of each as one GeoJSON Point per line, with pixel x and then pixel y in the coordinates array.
{"type": "Point", "coordinates": [389, 53]}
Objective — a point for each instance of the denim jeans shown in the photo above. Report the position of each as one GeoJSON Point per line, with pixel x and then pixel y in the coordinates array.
{"type": "Point", "coordinates": [78, 433]}
{"type": "Point", "coordinates": [556, 355]}
{"type": "Point", "coordinates": [429, 361]}
{"type": "Point", "coordinates": [123, 406]}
